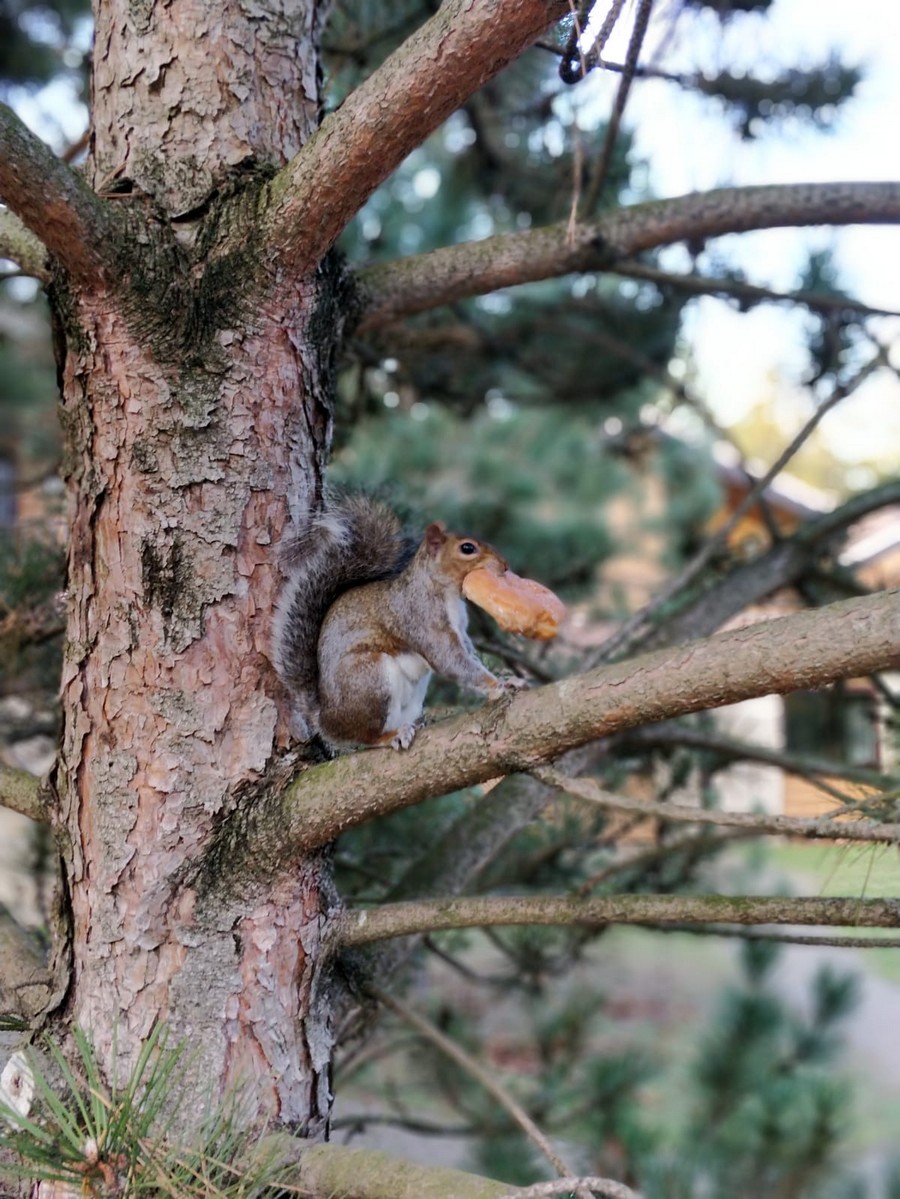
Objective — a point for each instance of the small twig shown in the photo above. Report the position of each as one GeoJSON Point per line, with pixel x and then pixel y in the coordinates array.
{"type": "Point", "coordinates": [730, 749]}
{"type": "Point", "coordinates": [630, 632]}
{"type": "Point", "coordinates": [644, 857]}
{"type": "Point", "coordinates": [475, 1070]}
{"type": "Point", "coordinates": [790, 826]}
{"type": "Point", "coordinates": [423, 1127]}
{"type": "Point", "coordinates": [701, 285]}
{"type": "Point", "coordinates": [755, 934]}
{"type": "Point", "coordinates": [641, 21]}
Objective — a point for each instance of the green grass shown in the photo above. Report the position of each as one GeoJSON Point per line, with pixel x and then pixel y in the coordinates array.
{"type": "Point", "coordinates": [858, 871]}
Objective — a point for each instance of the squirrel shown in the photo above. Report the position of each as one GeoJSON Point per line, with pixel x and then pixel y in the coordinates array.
{"type": "Point", "coordinates": [366, 616]}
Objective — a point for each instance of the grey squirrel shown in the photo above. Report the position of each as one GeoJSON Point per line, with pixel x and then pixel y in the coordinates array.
{"type": "Point", "coordinates": [366, 616]}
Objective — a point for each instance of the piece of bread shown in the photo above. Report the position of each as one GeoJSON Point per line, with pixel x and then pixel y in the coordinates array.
{"type": "Point", "coordinates": [518, 605]}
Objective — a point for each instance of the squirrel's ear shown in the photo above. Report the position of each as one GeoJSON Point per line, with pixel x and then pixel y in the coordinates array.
{"type": "Point", "coordinates": [435, 535]}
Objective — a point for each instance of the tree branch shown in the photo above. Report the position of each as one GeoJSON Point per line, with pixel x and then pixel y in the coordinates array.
{"type": "Point", "coordinates": [433, 915]}
{"type": "Point", "coordinates": [22, 792]}
{"type": "Point", "coordinates": [791, 826]}
{"type": "Point", "coordinates": [808, 649]}
{"type": "Point", "coordinates": [606, 1187]}
{"type": "Point", "coordinates": [371, 1174]}
{"type": "Point", "coordinates": [466, 43]}
{"type": "Point", "coordinates": [21, 246]}
{"type": "Point", "coordinates": [747, 293]}
{"type": "Point", "coordinates": [729, 749]}
{"type": "Point", "coordinates": [474, 1069]}
{"type": "Point", "coordinates": [55, 203]}
{"type": "Point", "coordinates": [24, 980]}
{"type": "Point", "coordinates": [409, 285]}
{"type": "Point", "coordinates": [638, 629]}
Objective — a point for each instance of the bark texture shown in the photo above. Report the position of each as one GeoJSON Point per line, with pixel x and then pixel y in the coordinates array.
{"type": "Point", "coordinates": [186, 92]}
{"type": "Point", "coordinates": [195, 402]}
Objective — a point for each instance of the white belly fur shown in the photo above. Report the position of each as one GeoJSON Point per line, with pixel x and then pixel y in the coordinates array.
{"type": "Point", "coordinates": [407, 677]}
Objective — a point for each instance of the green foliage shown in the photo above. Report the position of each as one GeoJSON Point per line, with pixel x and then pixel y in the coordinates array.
{"type": "Point", "coordinates": [770, 1111]}
{"type": "Point", "coordinates": [833, 337]}
{"type": "Point", "coordinates": [30, 571]}
{"type": "Point", "coordinates": [531, 484]}
{"type": "Point", "coordinates": [28, 395]}
{"type": "Point", "coordinates": [812, 96]}
{"type": "Point", "coordinates": [111, 1140]}
{"type": "Point", "coordinates": [763, 1112]}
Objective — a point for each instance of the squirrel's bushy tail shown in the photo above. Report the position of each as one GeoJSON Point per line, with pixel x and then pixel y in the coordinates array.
{"type": "Point", "coordinates": [355, 540]}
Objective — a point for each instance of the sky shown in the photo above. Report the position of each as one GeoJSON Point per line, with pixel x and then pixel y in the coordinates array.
{"type": "Point", "coordinates": [740, 357]}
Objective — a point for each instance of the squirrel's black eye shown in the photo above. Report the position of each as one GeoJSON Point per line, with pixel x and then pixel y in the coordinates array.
{"type": "Point", "coordinates": [468, 548]}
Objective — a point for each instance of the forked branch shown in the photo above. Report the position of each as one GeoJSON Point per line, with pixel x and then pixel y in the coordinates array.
{"type": "Point", "coordinates": [466, 43]}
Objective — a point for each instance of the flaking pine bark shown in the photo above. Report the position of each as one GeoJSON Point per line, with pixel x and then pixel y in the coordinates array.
{"type": "Point", "coordinates": [198, 312]}
{"type": "Point", "coordinates": [191, 413]}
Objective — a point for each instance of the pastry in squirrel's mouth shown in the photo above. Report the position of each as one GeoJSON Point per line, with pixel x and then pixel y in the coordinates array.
{"type": "Point", "coordinates": [518, 605]}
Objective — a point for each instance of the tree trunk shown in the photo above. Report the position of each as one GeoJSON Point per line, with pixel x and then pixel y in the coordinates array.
{"type": "Point", "coordinates": [189, 419]}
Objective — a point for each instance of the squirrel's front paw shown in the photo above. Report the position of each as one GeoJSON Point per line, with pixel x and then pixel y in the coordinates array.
{"type": "Point", "coordinates": [507, 686]}
{"type": "Point", "coordinates": [403, 737]}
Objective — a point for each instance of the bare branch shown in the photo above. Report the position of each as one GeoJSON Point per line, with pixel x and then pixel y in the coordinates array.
{"type": "Point", "coordinates": [601, 170]}
{"type": "Point", "coordinates": [784, 563]}
{"type": "Point", "coordinates": [416, 284]}
{"type": "Point", "coordinates": [778, 938]}
{"type": "Point", "coordinates": [791, 826]}
{"type": "Point", "coordinates": [474, 1069]}
{"type": "Point", "coordinates": [807, 649]}
{"type": "Point", "coordinates": [746, 293]}
{"type": "Point", "coordinates": [22, 792]}
{"type": "Point", "coordinates": [432, 915]}
{"type": "Point", "coordinates": [730, 749]}
{"type": "Point", "coordinates": [466, 43]}
{"type": "Point", "coordinates": [55, 203]}
{"type": "Point", "coordinates": [21, 246]}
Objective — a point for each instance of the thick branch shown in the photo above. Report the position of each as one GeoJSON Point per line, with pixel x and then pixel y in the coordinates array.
{"type": "Point", "coordinates": [466, 43]}
{"type": "Point", "coordinates": [408, 285]}
{"type": "Point", "coordinates": [55, 203]}
{"type": "Point", "coordinates": [21, 792]}
{"type": "Point", "coordinates": [432, 915]}
{"type": "Point", "coordinates": [22, 247]}
{"type": "Point", "coordinates": [808, 649]}
{"type": "Point", "coordinates": [371, 1174]}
